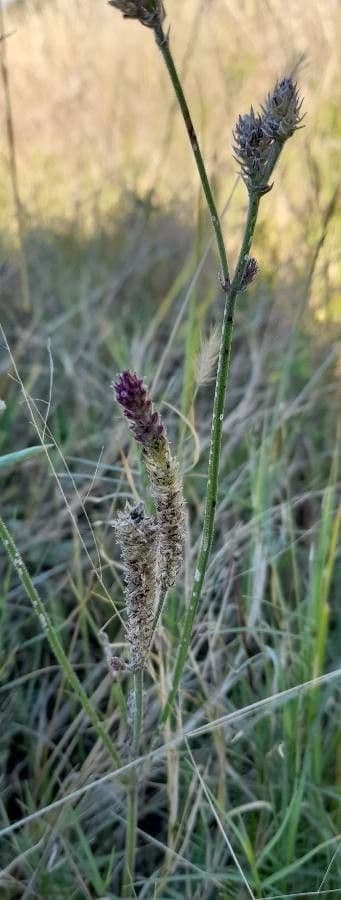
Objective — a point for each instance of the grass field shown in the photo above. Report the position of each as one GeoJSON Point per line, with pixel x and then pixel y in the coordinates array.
{"type": "Point", "coordinates": [107, 262]}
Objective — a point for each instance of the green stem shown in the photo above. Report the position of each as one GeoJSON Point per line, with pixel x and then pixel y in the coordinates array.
{"type": "Point", "coordinates": [138, 691]}
{"type": "Point", "coordinates": [130, 845]}
{"type": "Point", "coordinates": [224, 352]}
{"type": "Point", "coordinates": [215, 441]}
{"type": "Point", "coordinates": [163, 44]}
{"type": "Point", "coordinates": [157, 615]}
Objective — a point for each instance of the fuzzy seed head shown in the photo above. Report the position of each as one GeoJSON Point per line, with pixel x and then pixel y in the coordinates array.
{"type": "Point", "coordinates": [166, 490]}
{"type": "Point", "coordinates": [149, 12]}
{"type": "Point", "coordinates": [250, 271]}
{"type": "Point", "coordinates": [258, 137]}
{"type": "Point", "coordinates": [281, 111]}
{"type": "Point", "coordinates": [138, 539]}
{"type": "Point", "coordinates": [165, 482]}
{"type": "Point", "coordinates": [145, 422]}
{"type": "Point", "coordinates": [251, 147]}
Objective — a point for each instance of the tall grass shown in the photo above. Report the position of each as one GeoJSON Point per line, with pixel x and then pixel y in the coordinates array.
{"type": "Point", "coordinates": [238, 793]}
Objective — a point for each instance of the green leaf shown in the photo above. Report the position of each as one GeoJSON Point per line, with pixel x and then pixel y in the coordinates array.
{"type": "Point", "coordinates": [18, 456]}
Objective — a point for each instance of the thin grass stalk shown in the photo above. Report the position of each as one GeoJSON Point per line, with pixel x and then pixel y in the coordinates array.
{"type": "Point", "coordinates": [132, 806]}
{"type": "Point", "coordinates": [190, 48]}
{"type": "Point", "coordinates": [224, 353]}
{"type": "Point", "coordinates": [192, 342]}
{"type": "Point", "coordinates": [216, 434]}
{"type": "Point", "coordinates": [45, 622]}
{"type": "Point", "coordinates": [162, 41]}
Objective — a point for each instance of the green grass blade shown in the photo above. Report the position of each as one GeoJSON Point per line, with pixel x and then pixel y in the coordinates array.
{"type": "Point", "coordinates": [53, 639]}
{"type": "Point", "coordinates": [19, 456]}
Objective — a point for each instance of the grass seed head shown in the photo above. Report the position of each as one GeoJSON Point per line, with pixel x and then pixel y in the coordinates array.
{"type": "Point", "coordinates": [282, 110]}
{"type": "Point", "coordinates": [138, 539]}
{"type": "Point", "coordinates": [165, 482]}
{"type": "Point", "coordinates": [149, 12]}
{"type": "Point", "coordinates": [145, 423]}
{"type": "Point", "coordinates": [166, 489]}
{"type": "Point", "coordinates": [250, 271]}
{"type": "Point", "coordinates": [251, 147]}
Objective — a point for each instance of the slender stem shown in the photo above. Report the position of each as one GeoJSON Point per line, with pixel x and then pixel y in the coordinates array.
{"type": "Point", "coordinates": [159, 609]}
{"type": "Point", "coordinates": [162, 41]}
{"type": "Point", "coordinates": [215, 441]}
{"type": "Point", "coordinates": [130, 846]}
{"type": "Point", "coordinates": [224, 351]}
{"type": "Point", "coordinates": [138, 690]}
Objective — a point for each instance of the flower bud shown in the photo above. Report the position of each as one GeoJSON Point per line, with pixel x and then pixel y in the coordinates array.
{"type": "Point", "coordinates": [133, 397]}
{"type": "Point", "coordinates": [149, 12]}
{"type": "Point", "coordinates": [249, 274]}
{"type": "Point", "coordinates": [281, 111]}
{"type": "Point", "coordinates": [251, 148]}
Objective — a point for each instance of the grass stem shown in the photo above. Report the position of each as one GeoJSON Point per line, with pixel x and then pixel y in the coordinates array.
{"type": "Point", "coordinates": [132, 805]}
{"type": "Point", "coordinates": [215, 441]}
{"type": "Point", "coordinates": [162, 41]}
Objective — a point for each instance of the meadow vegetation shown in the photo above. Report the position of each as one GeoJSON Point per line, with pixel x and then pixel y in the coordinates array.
{"type": "Point", "coordinates": [108, 263]}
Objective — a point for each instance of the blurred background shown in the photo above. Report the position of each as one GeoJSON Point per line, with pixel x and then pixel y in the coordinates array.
{"type": "Point", "coordinates": [106, 261]}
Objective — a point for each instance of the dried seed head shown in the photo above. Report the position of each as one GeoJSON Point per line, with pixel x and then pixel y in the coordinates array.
{"type": "Point", "coordinates": [166, 487]}
{"type": "Point", "coordinates": [257, 138]}
{"type": "Point", "coordinates": [138, 538]}
{"type": "Point", "coordinates": [281, 111]}
{"type": "Point", "coordinates": [205, 363]}
{"type": "Point", "coordinates": [149, 12]}
{"type": "Point", "coordinates": [250, 272]}
{"type": "Point", "coordinates": [132, 395]}
{"type": "Point", "coordinates": [251, 147]}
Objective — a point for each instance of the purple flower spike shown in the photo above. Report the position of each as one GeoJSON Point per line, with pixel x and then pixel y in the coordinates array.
{"type": "Point", "coordinates": [132, 394]}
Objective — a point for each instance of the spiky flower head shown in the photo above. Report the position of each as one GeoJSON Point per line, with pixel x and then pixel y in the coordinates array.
{"type": "Point", "coordinates": [281, 111]}
{"type": "Point", "coordinates": [251, 147]}
{"type": "Point", "coordinates": [249, 274]}
{"type": "Point", "coordinates": [149, 12]}
{"type": "Point", "coordinates": [145, 422]}
{"type": "Point", "coordinates": [138, 539]}
{"type": "Point", "coordinates": [258, 138]}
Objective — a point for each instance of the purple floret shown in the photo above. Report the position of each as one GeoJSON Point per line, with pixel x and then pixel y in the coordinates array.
{"type": "Point", "coordinates": [132, 395]}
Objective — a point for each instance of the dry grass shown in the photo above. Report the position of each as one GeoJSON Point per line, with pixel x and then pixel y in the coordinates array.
{"type": "Point", "coordinates": [85, 117]}
{"type": "Point", "coordinates": [109, 192]}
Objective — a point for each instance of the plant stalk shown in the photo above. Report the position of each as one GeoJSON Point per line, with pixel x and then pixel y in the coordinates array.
{"type": "Point", "coordinates": [162, 41]}
{"type": "Point", "coordinates": [231, 291]}
{"type": "Point", "coordinates": [132, 807]}
{"type": "Point", "coordinates": [216, 434]}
